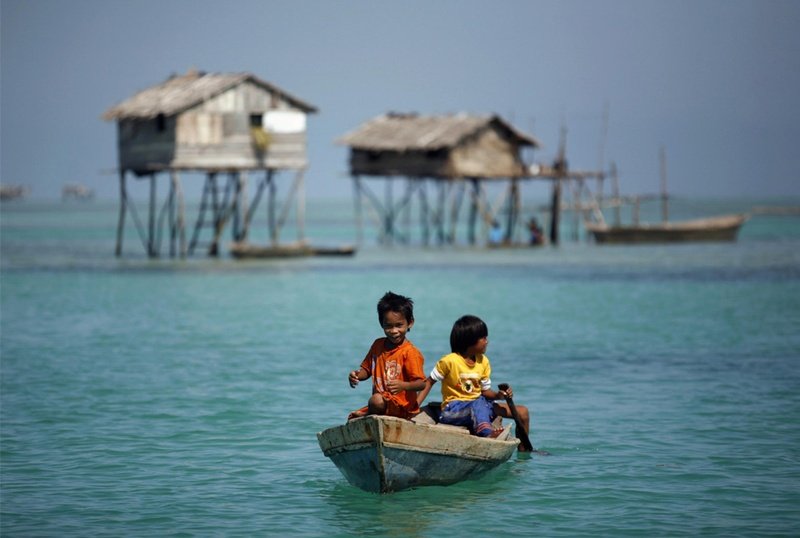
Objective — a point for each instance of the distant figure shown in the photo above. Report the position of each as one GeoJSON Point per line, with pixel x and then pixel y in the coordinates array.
{"type": "Point", "coordinates": [495, 234]}
{"type": "Point", "coordinates": [393, 362]}
{"type": "Point", "coordinates": [536, 235]}
{"type": "Point", "coordinates": [467, 395]}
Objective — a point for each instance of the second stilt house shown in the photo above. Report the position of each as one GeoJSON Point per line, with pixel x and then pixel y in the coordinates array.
{"type": "Point", "coordinates": [222, 125]}
{"type": "Point", "coordinates": [452, 154]}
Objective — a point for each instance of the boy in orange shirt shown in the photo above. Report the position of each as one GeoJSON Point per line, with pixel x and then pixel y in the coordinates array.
{"type": "Point", "coordinates": [393, 362]}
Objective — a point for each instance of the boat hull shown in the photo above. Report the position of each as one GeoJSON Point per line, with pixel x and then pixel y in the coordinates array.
{"type": "Point", "coordinates": [385, 454]}
{"type": "Point", "coordinates": [713, 229]}
{"type": "Point", "coordinates": [292, 250]}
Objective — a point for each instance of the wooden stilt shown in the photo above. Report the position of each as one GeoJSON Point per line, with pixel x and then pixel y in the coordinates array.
{"type": "Point", "coordinates": [405, 211]}
{"type": "Point", "coordinates": [513, 209]}
{"type": "Point", "coordinates": [555, 211]}
{"type": "Point", "coordinates": [204, 201]}
{"type": "Point", "coordinates": [181, 216]}
{"type": "Point", "coordinates": [242, 208]}
{"type": "Point", "coordinates": [577, 190]}
{"type": "Point", "coordinates": [236, 206]}
{"type": "Point", "coordinates": [664, 194]}
{"type": "Point", "coordinates": [455, 209]}
{"type": "Point", "coordinates": [389, 212]}
{"type": "Point", "coordinates": [441, 210]}
{"type": "Point", "coordinates": [271, 220]}
{"type": "Point", "coordinates": [123, 200]}
{"type": "Point", "coordinates": [615, 186]}
{"type": "Point", "coordinates": [223, 213]}
{"type": "Point", "coordinates": [357, 208]}
{"type": "Point", "coordinates": [424, 215]}
{"type": "Point", "coordinates": [171, 221]}
{"type": "Point", "coordinates": [151, 237]}
{"type": "Point", "coordinates": [257, 198]}
{"type": "Point", "coordinates": [473, 211]}
{"type": "Point", "coordinates": [301, 204]}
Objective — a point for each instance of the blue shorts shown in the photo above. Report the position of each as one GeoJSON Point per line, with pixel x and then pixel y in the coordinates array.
{"type": "Point", "coordinates": [477, 415]}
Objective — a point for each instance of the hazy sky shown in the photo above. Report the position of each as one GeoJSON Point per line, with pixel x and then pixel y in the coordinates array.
{"type": "Point", "coordinates": [717, 83]}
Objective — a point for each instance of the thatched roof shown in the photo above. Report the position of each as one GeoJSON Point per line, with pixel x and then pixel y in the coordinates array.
{"type": "Point", "coordinates": [411, 132]}
{"type": "Point", "coordinates": [181, 92]}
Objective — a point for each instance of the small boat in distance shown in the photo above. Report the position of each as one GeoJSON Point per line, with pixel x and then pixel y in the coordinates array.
{"type": "Point", "coordinates": [383, 454]}
{"type": "Point", "coordinates": [722, 228]}
{"type": "Point", "coordinates": [74, 191]}
{"type": "Point", "coordinates": [719, 228]}
{"type": "Point", "coordinates": [242, 250]}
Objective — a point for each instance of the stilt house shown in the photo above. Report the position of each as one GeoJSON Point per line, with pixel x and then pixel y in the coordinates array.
{"type": "Point", "coordinates": [453, 153]}
{"type": "Point", "coordinates": [215, 124]}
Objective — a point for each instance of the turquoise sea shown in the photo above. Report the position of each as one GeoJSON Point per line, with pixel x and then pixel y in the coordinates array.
{"type": "Point", "coordinates": [182, 397]}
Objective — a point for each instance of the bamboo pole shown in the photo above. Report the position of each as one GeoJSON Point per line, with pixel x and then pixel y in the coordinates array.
{"type": "Point", "coordinates": [664, 194]}
{"type": "Point", "coordinates": [457, 198]}
{"type": "Point", "coordinates": [358, 211]}
{"type": "Point", "coordinates": [615, 181]}
{"type": "Point", "coordinates": [123, 200]}
{"type": "Point", "coordinates": [473, 212]}
{"type": "Point", "coordinates": [424, 215]}
{"type": "Point", "coordinates": [152, 218]}
{"type": "Point", "coordinates": [273, 230]}
{"type": "Point", "coordinates": [301, 204]}
{"type": "Point", "coordinates": [555, 211]}
{"type": "Point", "coordinates": [242, 210]}
{"type": "Point", "coordinates": [181, 214]}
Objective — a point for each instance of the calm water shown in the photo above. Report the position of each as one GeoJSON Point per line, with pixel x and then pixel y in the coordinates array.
{"type": "Point", "coordinates": [182, 398]}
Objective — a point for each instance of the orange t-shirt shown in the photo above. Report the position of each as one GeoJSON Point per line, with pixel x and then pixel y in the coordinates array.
{"type": "Point", "coordinates": [405, 362]}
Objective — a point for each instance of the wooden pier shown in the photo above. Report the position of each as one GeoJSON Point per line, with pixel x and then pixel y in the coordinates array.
{"type": "Point", "coordinates": [443, 163]}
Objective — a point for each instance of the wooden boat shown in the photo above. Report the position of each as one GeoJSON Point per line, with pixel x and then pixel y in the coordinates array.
{"type": "Point", "coordinates": [723, 228]}
{"type": "Point", "coordinates": [291, 250]}
{"type": "Point", "coordinates": [383, 454]}
{"type": "Point", "coordinates": [343, 250]}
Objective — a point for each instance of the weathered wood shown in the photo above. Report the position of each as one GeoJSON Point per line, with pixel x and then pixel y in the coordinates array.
{"type": "Point", "coordinates": [383, 454]}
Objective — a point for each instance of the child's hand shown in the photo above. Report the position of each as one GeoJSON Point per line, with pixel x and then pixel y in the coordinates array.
{"type": "Point", "coordinates": [353, 378]}
{"type": "Point", "coordinates": [395, 386]}
{"type": "Point", "coordinates": [505, 392]}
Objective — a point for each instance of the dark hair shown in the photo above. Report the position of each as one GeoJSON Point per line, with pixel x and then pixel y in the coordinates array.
{"type": "Point", "coordinates": [391, 302]}
{"type": "Point", "coordinates": [467, 330]}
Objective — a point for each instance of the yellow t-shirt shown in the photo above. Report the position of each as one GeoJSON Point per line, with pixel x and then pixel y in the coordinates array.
{"type": "Point", "coordinates": [459, 380]}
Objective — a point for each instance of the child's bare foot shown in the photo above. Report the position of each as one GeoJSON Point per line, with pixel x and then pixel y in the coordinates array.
{"type": "Point", "coordinates": [356, 414]}
{"type": "Point", "coordinates": [496, 433]}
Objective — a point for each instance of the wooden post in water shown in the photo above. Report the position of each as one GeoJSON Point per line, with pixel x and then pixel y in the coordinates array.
{"type": "Point", "coordinates": [513, 209]}
{"type": "Point", "coordinates": [664, 194]}
{"type": "Point", "coordinates": [424, 217]}
{"type": "Point", "coordinates": [473, 211]}
{"type": "Point", "coordinates": [273, 228]}
{"type": "Point", "coordinates": [358, 211]}
{"type": "Point", "coordinates": [457, 198]}
{"type": "Point", "coordinates": [123, 200]}
{"type": "Point", "coordinates": [151, 237]}
{"type": "Point", "coordinates": [242, 209]}
{"type": "Point", "coordinates": [617, 202]}
{"type": "Point", "coordinates": [301, 204]}
{"type": "Point", "coordinates": [555, 211]}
